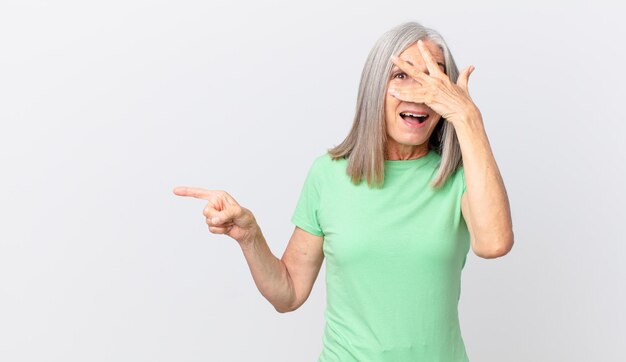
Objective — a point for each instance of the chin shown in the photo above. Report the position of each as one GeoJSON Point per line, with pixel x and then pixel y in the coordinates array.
{"type": "Point", "coordinates": [413, 142]}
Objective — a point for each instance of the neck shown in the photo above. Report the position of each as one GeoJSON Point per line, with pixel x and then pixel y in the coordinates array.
{"type": "Point", "coordinates": [406, 152]}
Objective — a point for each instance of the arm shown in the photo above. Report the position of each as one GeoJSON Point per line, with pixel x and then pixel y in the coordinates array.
{"type": "Point", "coordinates": [489, 220]}
{"type": "Point", "coordinates": [286, 283]}
{"type": "Point", "coordinates": [485, 204]}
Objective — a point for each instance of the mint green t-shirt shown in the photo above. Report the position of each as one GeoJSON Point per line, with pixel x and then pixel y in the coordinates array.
{"type": "Point", "coordinates": [394, 258]}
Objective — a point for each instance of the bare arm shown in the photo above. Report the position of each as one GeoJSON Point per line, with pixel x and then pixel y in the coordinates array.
{"type": "Point", "coordinates": [485, 204]}
{"type": "Point", "coordinates": [286, 283]}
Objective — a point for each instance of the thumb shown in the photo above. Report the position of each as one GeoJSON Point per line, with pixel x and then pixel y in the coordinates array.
{"type": "Point", "coordinates": [463, 79]}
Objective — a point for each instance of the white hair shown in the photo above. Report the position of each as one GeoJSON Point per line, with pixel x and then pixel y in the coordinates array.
{"type": "Point", "coordinates": [366, 142]}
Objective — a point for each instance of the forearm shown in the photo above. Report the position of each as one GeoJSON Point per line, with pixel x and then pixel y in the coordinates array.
{"type": "Point", "coordinates": [486, 194]}
{"type": "Point", "coordinates": [269, 272]}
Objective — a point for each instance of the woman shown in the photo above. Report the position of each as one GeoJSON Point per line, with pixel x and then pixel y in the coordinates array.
{"type": "Point", "coordinates": [396, 244]}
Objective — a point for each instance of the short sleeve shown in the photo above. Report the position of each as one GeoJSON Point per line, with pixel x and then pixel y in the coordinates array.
{"type": "Point", "coordinates": [305, 215]}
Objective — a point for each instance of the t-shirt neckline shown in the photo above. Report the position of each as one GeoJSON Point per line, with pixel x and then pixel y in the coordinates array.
{"type": "Point", "coordinates": [415, 162]}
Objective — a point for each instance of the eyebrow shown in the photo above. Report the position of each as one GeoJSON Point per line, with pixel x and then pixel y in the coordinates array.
{"type": "Point", "coordinates": [395, 67]}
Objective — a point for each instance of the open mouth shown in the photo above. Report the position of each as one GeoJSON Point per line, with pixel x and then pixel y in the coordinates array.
{"type": "Point", "coordinates": [414, 117]}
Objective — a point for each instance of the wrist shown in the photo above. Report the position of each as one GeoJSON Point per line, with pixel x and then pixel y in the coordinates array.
{"type": "Point", "coordinates": [472, 121]}
{"type": "Point", "coordinates": [251, 236]}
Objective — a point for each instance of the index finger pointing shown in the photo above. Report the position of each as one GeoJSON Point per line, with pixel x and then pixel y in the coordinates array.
{"type": "Point", "coordinates": [196, 192]}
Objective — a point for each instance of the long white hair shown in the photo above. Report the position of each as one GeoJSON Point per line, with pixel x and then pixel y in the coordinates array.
{"type": "Point", "coordinates": [364, 147]}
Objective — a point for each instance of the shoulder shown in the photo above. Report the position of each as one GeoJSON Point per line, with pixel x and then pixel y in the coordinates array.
{"type": "Point", "coordinates": [324, 162]}
{"type": "Point", "coordinates": [460, 173]}
{"type": "Point", "coordinates": [459, 178]}
{"type": "Point", "coordinates": [324, 170]}
{"type": "Point", "coordinates": [321, 159]}
{"type": "Point", "coordinates": [454, 182]}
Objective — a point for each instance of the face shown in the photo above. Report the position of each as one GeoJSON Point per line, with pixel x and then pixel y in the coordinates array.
{"type": "Point", "coordinates": [407, 136]}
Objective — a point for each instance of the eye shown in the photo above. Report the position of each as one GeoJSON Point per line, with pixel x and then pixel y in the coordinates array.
{"type": "Point", "coordinates": [399, 73]}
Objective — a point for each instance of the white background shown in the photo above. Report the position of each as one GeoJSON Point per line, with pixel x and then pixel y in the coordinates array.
{"type": "Point", "coordinates": [106, 106]}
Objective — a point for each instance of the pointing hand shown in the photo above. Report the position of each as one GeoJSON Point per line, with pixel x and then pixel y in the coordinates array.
{"type": "Point", "coordinates": [223, 214]}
